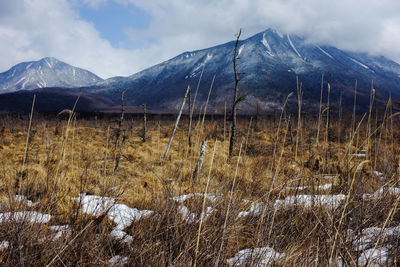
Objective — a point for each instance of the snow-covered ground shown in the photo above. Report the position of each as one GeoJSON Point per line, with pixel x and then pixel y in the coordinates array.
{"type": "Point", "coordinates": [319, 187]}
{"type": "Point", "coordinates": [118, 261]}
{"type": "Point", "coordinates": [373, 244]}
{"type": "Point", "coordinates": [60, 231]}
{"type": "Point", "coordinates": [255, 208]}
{"type": "Point", "coordinates": [382, 192]}
{"type": "Point", "coordinates": [191, 217]}
{"type": "Point", "coordinates": [330, 201]}
{"type": "Point", "coordinates": [183, 198]}
{"type": "Point", "coordinates": [29, 216]}
{"type": "Point", "coordinates": [371, 252]}
{"type": "Point", "coordinates": [120, 214]}
{"type": "Point", "coordinates": [264, 256]}
{"type": "Point", "coordinates": [23, 199]}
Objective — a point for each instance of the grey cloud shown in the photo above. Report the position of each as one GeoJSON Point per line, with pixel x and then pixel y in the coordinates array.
{"type": "Point", "coordinates": [32, 29]}
{"type": "Point", "coordinates": [360, 25]}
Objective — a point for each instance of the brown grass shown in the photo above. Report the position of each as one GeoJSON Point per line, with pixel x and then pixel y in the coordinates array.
{"type": "Point", "coordinates": [64, 160]}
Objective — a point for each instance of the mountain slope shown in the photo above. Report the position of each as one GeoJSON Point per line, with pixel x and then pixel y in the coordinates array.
{"type": "Point", "coordinates": [270, 62]}
{"type": "Point", "coordinates": [47, 72]}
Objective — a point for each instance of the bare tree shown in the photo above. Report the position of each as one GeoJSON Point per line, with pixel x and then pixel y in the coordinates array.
{"type": "Point", "coordinates": [192, 106]}
{"type": "Point", "coordinates": [121, 119]}
{"type": "Point", "coordinates": [119, 131]}
{"type": "Point", "coordinates": [199, 164]}
{"type": "Point", "coordinates": [236, 99]}
{"type": "Point", "coordinates": [176, 123]}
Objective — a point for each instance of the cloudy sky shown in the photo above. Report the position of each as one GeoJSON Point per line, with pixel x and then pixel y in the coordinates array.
{"type": "Point", "coordinates": [121, 37]}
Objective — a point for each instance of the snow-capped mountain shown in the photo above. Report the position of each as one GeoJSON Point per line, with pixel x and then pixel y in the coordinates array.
{"type": "Point", "coordinates": [270, 62]}
{"type": "Point", "coordinates": [47, 72]}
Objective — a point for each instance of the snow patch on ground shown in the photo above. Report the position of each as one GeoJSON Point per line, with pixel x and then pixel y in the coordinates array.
{"type": "Point", "coordinates": [190, 217]}
{"type": "Point", "coordinates": [359, 155]}
{"type": "Point", "coordinates": [61, 230]}
{"type": "Point", "coordinates": [382, 192]}
{"type": "Point", "coordinates": [264, 256]}
{"type": "Point", "coordinates": [255, 208]}
{"type": "Point", "coordinates": [331, 201]}
{"type": "Point", "coordinates": [121, 236]}
{"type": "Point", "coordinates": [320, 187]}
{"type": "Point", "coordinates": [370, 252]}
{"type": "Point", "coordinates": [20, 216]}
{"type": "Point", "coordinates": [123, 215]}
{"type": "Point", "coordinates": [324, 187]}
{"type": "Point", "coordinates": [118, 261]}
{"type": "Point", "coordinates": [95, 205]}
{"type": "Point", "coordinates": [374, 257]}
{"type": "Point", "coordinates": [24, 199]}
{"type": "Point", "coordinates": [330, 176]}
{"type": "Point", "coordinates": [183, 198]}
{"type": "Point", "coordinates": [4, 245]}
{"type": "Point", "coordinates": [307, 201]}
{"type": "Point", "coordinates": [120, 214]}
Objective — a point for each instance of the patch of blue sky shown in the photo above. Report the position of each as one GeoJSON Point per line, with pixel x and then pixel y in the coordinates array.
{"type": "Point", "coordinates": [114, 20]}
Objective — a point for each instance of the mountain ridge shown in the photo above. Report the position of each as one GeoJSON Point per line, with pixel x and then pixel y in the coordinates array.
{"type": "Point", "coordinates": [46, 72]}
{"type": "Point", "coordinates": [271, 61]}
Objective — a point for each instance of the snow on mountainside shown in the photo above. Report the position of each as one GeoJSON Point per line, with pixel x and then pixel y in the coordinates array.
{"type": "Point", "coordinates": [270, 62]}
{"type": "Point", "coordinates": [47, 72]}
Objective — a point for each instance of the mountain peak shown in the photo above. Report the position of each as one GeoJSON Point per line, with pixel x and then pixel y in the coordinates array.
{"type": "Point", "coordinates": [46, 72]}
{"type": "Point", "coordinates": [271, 61]}
{"type": "Point", "coordinates": [51, 60]}
{"type": "Point", "coordinates": [275, 32]}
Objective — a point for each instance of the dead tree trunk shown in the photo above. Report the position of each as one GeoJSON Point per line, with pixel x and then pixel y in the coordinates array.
{"type": "Point", "coordinates": [235, 100]}
{"type": "Point", "coordinates": [118, 157]}
{"type": "Point", "coordinates": [192, 106]}
{"type": "Point", "coordinates": [121, 119]}
{"type": "Point", "coordinates": [176, 123]}
{"type": "Point", "coordinates": [208, 99]}
{"type": "Point", "coordinates": [119, 130]}
{"type": "Point", "coordinates": [201, 159]}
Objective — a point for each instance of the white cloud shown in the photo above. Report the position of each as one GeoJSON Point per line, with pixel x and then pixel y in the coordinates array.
{"type": "Point", "coordinates": [31, 29]}
{"type": "Point", "coordinates": [93, 3]}
{"type": "Point", "coordinates": [362, 25]}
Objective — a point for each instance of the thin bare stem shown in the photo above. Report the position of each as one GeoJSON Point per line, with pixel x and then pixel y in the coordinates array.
{"type": "Point", "coordinates": [204, 206]}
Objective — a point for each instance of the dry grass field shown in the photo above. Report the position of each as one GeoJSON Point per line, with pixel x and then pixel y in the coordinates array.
{"type": "Point", "coordinates": [300, 191]}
